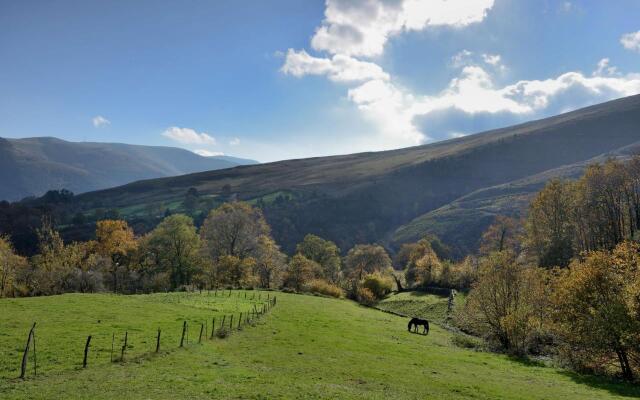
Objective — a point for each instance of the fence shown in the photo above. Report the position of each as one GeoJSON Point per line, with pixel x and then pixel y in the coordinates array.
{"type": "Point", "coordinates": [221, 328]}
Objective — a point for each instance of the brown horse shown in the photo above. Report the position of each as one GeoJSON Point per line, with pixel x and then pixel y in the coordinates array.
{"type": "Point", "coordinates": [415, 322]}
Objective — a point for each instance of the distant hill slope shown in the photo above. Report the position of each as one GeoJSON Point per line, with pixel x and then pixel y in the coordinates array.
{"type": "Point", "coordinates": [461, 222]}
{"type": "Point", "coordinates": [32, 166]}
{"type": "Point", "coordinates": [366, 197]}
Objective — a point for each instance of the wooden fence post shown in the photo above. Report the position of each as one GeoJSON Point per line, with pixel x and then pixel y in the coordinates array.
{"type": "Point", "coordinates": [222, 324]}
{"type": "Point", "coordinates": [86, 352]}
{"type": "Point", "coordinates": [23, 366]}
{"type": "Point", "coordinates": [213, 327]}
{"type": "Point", "coordinates": [201, 329]}
{"type": "Point", "coordinates": [158, 342]}
{"type": "Point", "coordinates": [113, 339]}
{"type": "Point", "coordinates": [35, 357]}
{"type": "Point", "coordinates": [231, 323]}
{"type": "Point", "coordinates": [184, 330]}
{"type": "Point", "coordinates": [124, 346]}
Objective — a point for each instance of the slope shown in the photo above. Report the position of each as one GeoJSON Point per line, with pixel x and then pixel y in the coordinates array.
{"type": "Point", "coordinates": [32, 166]}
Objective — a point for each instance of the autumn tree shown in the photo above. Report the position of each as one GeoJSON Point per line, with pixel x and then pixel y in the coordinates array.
{"type": "Point", "coordinates": [324, 252]}
{"type": "Point", "coordinates": [365, 259]}
{"type": "Point", "coordinates": [10, 265]}
{"type": "Point", "coordinates": [233, 229]}
{"type": "Point", "coordinates": [270, 262]}
{"type": "Point", "coordinates": [423, 266]}
{"type": "Point", "coordinates": [300, 271]}
{"type": "Point", "coordinates": [596, 309]}
{"type": "Point", "coordinates": [503, 234]}
{"type": "Point", "coordinates": [115, 241]}
{"type": "Point", "coordinates": [550, 228]}
{"type": "Point", "coordinates": [507, 303]}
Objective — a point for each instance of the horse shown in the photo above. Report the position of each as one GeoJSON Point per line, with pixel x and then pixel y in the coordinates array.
{"type": "Point", "coordinates": [417, 322]}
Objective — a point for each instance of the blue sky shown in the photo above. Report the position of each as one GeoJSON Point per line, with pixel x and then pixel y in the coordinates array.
{"type": "Point", "coordinates": [275, 79]}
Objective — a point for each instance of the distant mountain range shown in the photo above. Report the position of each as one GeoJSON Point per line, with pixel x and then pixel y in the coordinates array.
{"type": "Point", "coordinates": [453, 188]}
{"type": "Point", "coordinates": [32, 166]}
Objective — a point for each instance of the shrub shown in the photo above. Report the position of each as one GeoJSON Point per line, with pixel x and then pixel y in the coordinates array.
{"type": "Point", "coordinates": [379, 285]}
{"type": "Point", "coordinates": [323, 287]}
{"type": "Point", "coordinates": [365, 296]}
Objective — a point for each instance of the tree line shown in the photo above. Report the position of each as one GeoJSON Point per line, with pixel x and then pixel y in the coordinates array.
{"type": "Point", "coordinates": [232, 249]}
{"type": "Point", "coordinates": [565, 281]}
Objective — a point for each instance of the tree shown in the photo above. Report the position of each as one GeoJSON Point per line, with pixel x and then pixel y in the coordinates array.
{"type": "Point", "coordinates": [115, 241]}
{"type": "Point", "coordinates": [596, 304]}
{"type": "Point", "coordinates": [270, 262]}
{"type": "Point", "coordinates": [233, 229]}
{"type": "Point", "coordinates": [424, 266]}
{"type": "Point", "coordinates": [365, 259]}
{"type": "Point", "coordinates": [174, 247]}
{"type": "Point", "coordinates": [233, 271]}
{"type": "Point", "coordinates": [10, 264]}
{"type": "Point", "coordinates": [301, 270]}
{"type": "Point", "coordinates": [507, 303]}
{"type": "Point", "coordinates": [550, 229]}
{"type": "Point", "coordinates": [191, 200]}
{"type": "Point", "coordinates": [324, 252]}
{"type": "Point", "coordinates": [503, 234]}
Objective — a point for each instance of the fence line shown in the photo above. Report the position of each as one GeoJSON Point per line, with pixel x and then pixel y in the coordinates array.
{"type": "Point", "coordinates": [250, 318]}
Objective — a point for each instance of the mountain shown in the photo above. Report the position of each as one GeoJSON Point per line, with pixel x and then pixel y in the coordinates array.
{"type": "Point", "coordinates": [31, 166]}
{"type": "Point", "coordinates": [374, 197]}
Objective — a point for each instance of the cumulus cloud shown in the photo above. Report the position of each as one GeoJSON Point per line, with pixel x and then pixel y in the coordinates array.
{"type": "Point", "coordinates": [470, 102]}
{"type": "Point", "coordinates": [208, 153]}
{"type": "Point", "coordinates": [188, 136]}
{"type": "Point", "coordinates": [339, 68]}
{"type": "Point", "coordinates": [99, 121]}
{"type": "Point", "coordinates": [362, 27]}
{"type": "Point", "coordinates": [631, 41]}
{"type": "Point", "coordinates": [234, 142]}
{"type": "Point", "coordinates": [473, 92]}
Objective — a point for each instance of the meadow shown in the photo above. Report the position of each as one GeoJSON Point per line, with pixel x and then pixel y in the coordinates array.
{"type": "Point", "coordinates": [306, 347]}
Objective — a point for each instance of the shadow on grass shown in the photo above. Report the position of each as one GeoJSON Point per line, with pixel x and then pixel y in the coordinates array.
{"type": "Point", "coordinates": [613, 386]}
{"type": "Point", "coordinates": [616, 387]}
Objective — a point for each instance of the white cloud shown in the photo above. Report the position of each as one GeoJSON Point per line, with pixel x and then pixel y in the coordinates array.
{"type": "Point", "coordinates": [362, 27]}
{"type": "Point", "coordinates": [99, 121]}
{"type": "Point", "coordinates": [234, 142]}
{"type": "Point", "coordinates": [339, 68]}
{"type": "Point", "coordinates": [395, 109]}
{"type": "Point", "coordinates": [461, 58]}
{"type": "Point", "coordinates": [604, 68]}
{"type": "Point", "coordinates": [188, 136]}
{"type": "Point", "coordinates": [208, 153]}
{"type": "Point", "coordinates": [631, 41]}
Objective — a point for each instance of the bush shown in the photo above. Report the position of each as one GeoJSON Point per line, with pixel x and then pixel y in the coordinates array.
{"type": "Point", "coordinates": [323, 287]}
{"type": "Point", "coordinates": [365, 296]}
{"type": "Point", "coordinates": [379, 285]}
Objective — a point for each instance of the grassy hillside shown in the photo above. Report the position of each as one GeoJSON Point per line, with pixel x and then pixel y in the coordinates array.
{"type": "Point", "coordinates": [32, 166]}
{"type": "Point", "coordinates": [420, 304]}
{"type": "Point", "coordinates": [64, 322]}
{"type": "Point", "coordinates": [307, 347]}
{"type": "Point", "coordinates": [461, 222]}
{"type": "Point", "coordinates": [366, 197]}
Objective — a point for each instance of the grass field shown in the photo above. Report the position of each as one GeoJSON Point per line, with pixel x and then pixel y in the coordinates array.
{"type": "Point", "coordinates": [306, 347]}
{"type": "Point", "coordinates": [64, 322]}
{"type": "Point", "coordinates": [420, 304]}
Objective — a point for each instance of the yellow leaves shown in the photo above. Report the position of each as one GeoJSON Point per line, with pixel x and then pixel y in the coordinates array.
{"type": "Point", "coordinates": [114, 238]}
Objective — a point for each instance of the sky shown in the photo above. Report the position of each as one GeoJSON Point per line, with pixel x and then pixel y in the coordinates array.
{"type": "Point", "coordinates": [281, 79]}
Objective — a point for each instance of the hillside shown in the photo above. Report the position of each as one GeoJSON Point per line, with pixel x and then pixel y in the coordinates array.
{"type": "Point", "coordinates": [306, 347]}
{"type": "Point", "coordinates": [366, 197]}
{"type": "Point", "coordinates": [461, 222]}
{"type": "Point", "coordinates": [31, 166]}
